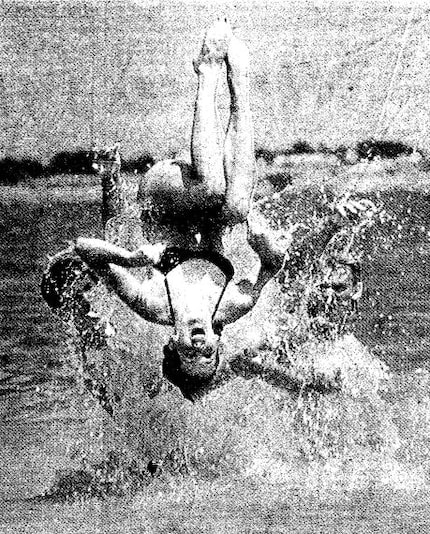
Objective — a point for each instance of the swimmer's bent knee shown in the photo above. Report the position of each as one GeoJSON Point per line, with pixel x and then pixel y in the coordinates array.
{"type": "Point", "coordinates": [171, 186]}
{"type": "Point", "coordinates": [164, 181]}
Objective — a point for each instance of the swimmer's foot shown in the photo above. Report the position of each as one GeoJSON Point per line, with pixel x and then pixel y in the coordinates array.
{"type": "Point", "coordinates": [147, 255]}
{"type": "Point", "coordinates": [237, 58]}
{"type": "Point", "coordinates": [215, 46]}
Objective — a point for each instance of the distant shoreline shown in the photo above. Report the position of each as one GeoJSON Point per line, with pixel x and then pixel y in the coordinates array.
{"type": "Point", "coordinates": [304, 170]}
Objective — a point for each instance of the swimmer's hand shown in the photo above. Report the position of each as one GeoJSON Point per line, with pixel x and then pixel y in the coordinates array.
{"type": "Point", "coordinates": [270, 245]}
{"type": "Point", "coordinates": [146, 255]}
{"type": "Point", "coordinates": [350, 209]}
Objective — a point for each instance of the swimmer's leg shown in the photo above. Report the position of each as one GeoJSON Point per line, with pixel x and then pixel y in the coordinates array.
{"type": "Point", "coordinates": [207, 136]}
{"type": "Point", "coordinates": [239, 156]}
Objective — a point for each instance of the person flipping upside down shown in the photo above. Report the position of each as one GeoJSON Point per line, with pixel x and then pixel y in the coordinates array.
{"type": "Point", "coordinates": [204, 198]}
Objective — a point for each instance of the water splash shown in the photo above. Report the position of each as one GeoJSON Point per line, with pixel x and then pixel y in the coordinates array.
{"type": "Point", "coordinates": [371, 433]}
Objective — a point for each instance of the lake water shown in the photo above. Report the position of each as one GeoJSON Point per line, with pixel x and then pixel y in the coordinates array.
{"type": "Point", "coordinates": [49, 423]}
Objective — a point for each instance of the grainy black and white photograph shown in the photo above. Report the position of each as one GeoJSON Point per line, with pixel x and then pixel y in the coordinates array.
{"type": "Point", "coordinates": [215, 267]}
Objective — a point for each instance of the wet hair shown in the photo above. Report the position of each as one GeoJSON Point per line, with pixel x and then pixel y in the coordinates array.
{"type": "Point", "coordinates": [192, 386]}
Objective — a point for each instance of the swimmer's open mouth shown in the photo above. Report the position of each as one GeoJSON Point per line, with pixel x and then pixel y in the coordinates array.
{"type": "Point", "coordinates": [198, 337]}
{"type": "Point", "coordinates": [197, 332]}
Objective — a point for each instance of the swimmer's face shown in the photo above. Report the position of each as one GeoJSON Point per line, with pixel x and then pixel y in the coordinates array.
{"type": "Point", "coordinates": [195, 340]}
{"type": "Point", "coordinates": [197, 348]}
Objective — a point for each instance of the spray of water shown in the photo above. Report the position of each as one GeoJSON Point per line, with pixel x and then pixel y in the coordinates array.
{"type": "Point", "coordinates": [370, 431]}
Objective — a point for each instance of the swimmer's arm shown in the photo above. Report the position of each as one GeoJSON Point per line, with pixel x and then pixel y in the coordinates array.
{"type": "Point", "coordinates": [96, 252]}
{"type": "Point", "coordinates": [140, 295]}
{"type": "Point", "coordinates": [304, 247]}
{"type": "Point", "coordinates": [241, 298]}
{"type": "Point", "coordinates": [107, 260]}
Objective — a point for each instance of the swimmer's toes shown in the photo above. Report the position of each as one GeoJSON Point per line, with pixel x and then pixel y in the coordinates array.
{"type": "Point", "coordinates": [215, 44]}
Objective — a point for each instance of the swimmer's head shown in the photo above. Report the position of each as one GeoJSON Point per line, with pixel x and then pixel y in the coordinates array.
{"type": "Point", "coordinates": [191, 369]}
{"type": "Point", "coordinates": [191, 358]}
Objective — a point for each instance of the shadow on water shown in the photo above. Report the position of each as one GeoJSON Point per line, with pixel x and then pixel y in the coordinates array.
{"type": "Point", "coordinates": [113, 476]}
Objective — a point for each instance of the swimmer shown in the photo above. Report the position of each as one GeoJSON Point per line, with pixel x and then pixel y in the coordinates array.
{"type": "Point", "coordinates": [205, 197]}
